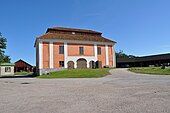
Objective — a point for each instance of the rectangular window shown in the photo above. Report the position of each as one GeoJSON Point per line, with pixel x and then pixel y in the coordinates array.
{"type": "Point", "coordinates": [7, 69]}
{"type": "Point", "coordinates": [61, 49]}
{"type": "Point", "coordinates": [99, 50]}
{"type": "Point", "coordinates": [61, 63]}
{"type": "Point", "coordinates": [81, 50]}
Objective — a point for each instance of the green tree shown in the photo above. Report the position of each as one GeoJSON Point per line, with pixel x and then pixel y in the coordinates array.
{"type": "Point", "coordinates": [121, 54]}
{"type": "Point", "coordinates": [3, 57]}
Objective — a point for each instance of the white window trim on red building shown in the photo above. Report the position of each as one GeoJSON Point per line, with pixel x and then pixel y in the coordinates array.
{"type": "Point", "coordinates": [72, 58]}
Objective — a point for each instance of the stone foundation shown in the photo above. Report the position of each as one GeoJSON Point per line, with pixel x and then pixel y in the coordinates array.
{"type": "Point", "coordinates": [48, 70]}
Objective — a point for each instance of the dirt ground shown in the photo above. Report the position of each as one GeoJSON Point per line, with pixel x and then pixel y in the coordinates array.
{"type": "Point", "coordinates": [121, 92]}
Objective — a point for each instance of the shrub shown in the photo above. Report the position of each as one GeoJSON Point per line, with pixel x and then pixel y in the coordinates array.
{"type": "Point", "coordinates": [163, 66]}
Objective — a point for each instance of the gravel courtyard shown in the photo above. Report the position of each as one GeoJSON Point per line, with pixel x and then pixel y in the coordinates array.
{"type": "Point", "coordinates": [121, 92]}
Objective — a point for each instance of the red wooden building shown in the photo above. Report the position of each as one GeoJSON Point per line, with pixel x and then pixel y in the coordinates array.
{"type": "Point", "coordinates": [21, 65]}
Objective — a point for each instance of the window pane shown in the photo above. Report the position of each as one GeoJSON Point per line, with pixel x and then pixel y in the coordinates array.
{"type": "Point", "coordinates": [99, 50]}
{"type": "Point", "coordinates": [61, 49]}
{"type": "Point", "coordinates": [61, 63]}
{"type": "Point", "coordinates": [81, 50]}
{"type": "Point", "coordinates": [7, 69]}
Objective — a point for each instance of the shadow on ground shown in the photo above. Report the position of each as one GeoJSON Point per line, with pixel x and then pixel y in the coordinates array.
{"type": "Point", "coordinates": [20, 76]}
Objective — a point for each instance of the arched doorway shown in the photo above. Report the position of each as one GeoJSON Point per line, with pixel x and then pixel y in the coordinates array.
{"type": "Point", "coordinates": [81, 63]}
{"type": "Point", "coordinates": [92, 64]}
{"type": "Point", "coordinates": [98, 64]}
{"type": "Point", "coordinates": [70, 65]}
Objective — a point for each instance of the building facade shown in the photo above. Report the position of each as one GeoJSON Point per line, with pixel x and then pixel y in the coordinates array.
{"type": "Point", "coordinates": [6, 69]}
{"type": "Point", "coordinates": [21, 66]}
{"type": "Point", "coordinates": [73, 48]}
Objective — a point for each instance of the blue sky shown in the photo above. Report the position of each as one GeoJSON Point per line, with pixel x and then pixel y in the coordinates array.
{"type": "Point", "coordinates": [140, 27]}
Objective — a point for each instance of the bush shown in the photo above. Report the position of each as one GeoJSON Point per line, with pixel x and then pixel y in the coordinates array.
{"type": "Point", "coordinates": [163, 66]}
{"type": "Point", "coordinates": [106, 66]}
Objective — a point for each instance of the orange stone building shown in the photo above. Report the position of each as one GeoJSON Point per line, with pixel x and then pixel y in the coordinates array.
{"type": "Point", "coordinates": [73, 48]}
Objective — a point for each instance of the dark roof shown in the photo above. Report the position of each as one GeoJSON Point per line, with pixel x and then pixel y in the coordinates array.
{"type": "Point", "coordinates": [125, 60]}
{"type": "Point", "coordinates": [145, 58]}
{"type": "Point", "coordinates": [154, 57]}
{"type": "Point", "coordinates": [75, 37]}
{"type": "Point", "coordinates": [72, 30]}
{"type": "Point", "coordinates": [23, 62]}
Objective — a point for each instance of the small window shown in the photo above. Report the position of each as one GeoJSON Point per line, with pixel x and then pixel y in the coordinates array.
{"type": "Point", "coordinates": [61, 63]}
{"type": "Point", "coordinates": [61, 49]}
{"type": "Point", "coordinates": [99, 50]}
{"type": "Point", "coordinates": [81, 50]}
{"type": "Point", "coordinates": [7, 69]}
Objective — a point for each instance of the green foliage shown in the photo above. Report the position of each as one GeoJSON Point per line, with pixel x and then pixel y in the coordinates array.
{"type": "Point", "coordinates": [151, 70]}
{"type": "Point", "coordinates": [23, 73]}
{"type": "Point", "coordinates": [3, 41]}
{"type": "Point", "coordinates": [121, 54]}
{"type": "Point", "coordinates": [78, 73]}
{"type": "Point", "coordinates": [3, 57]}
{"type": "Point", "coordinates": [163, 66]}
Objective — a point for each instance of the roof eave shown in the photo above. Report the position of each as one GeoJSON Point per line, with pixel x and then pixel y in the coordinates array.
{"type": "Point", "coordinates": [35, 43]}
{"type": "Point", "coordinates": [90, 31]}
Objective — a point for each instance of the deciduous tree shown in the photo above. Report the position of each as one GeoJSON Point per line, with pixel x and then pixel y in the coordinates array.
{"type": "Point", "coordinates": [3, 57]}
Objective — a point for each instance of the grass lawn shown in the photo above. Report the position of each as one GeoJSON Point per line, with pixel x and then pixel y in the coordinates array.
{"type": "Point", "coordinates": [22, 73]}
{"type": "Point", "coordinates": [78, 73]}
{"type": "Point", "coordinates": [151, 70]}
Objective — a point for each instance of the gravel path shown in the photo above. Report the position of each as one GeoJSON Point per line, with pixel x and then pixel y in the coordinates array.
{"type": "Point", "coordinates": [121, 92]}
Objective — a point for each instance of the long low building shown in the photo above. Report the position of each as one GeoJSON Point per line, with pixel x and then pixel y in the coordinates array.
{"type": "Point", "coordinates": [145, 61]}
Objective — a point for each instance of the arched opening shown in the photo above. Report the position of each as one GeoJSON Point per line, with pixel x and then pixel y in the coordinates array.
{"type": "Point", "coordinates": [70, 65]}
{"type": "Point", "coordinates": [81, 63]}
{"type": "Point", "coordinates": [98, 64]}
{"type": "Point", "coordinates": [92, 64]}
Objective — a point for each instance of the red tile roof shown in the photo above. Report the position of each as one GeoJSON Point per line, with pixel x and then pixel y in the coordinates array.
{"type": "Point", "coordinates": [74, 37]}
{"type": "Point", "coordinates": [80, 34]}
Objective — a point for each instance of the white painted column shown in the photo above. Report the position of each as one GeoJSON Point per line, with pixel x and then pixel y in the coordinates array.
{"type": "Point", "coordinates": [40, 55]}
{"type": "Point", "coordinates": [75, 64]}
{"type": "Point", "coordinates": [51, 63]}
{"type": "Point", "coordinates": [95, 51]}
{"type": "Point", "coordinates": [88, 64]}
{"type": "Point", "coordinates": [114, 57]}
{"type": "Point", "coordinates": [65, 54]}
{"type": "Point", "coordinates": [107, 55]}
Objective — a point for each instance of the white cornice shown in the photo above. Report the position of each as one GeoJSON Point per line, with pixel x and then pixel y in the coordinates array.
{"type": "Point", "coordinates": [76, 41]}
